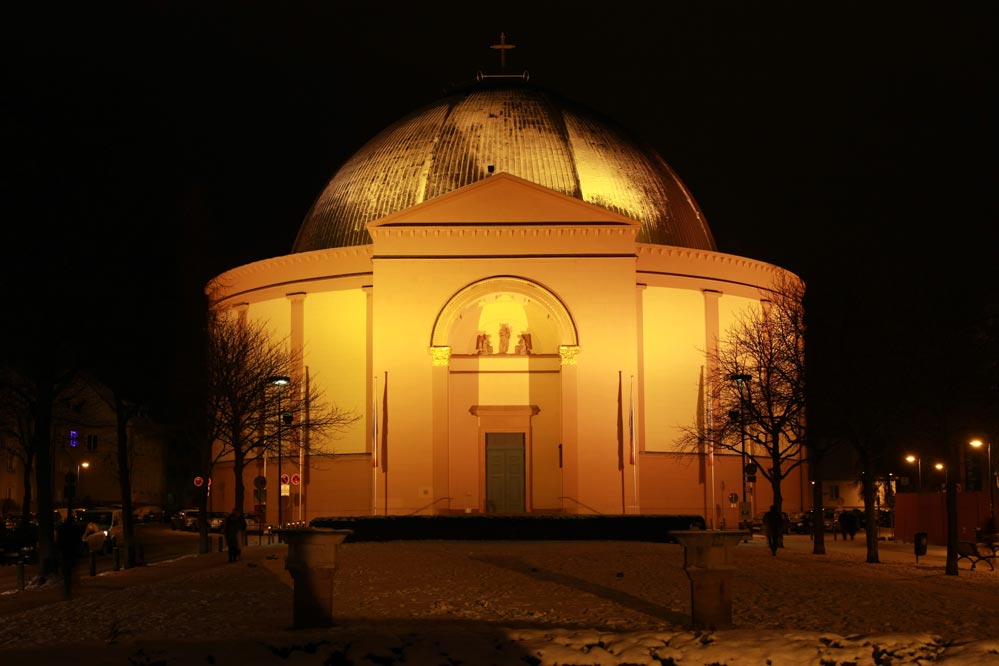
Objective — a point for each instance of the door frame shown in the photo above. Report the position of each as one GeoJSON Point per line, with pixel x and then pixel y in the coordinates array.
{"type": "Point", "coordinates": [506, 418]}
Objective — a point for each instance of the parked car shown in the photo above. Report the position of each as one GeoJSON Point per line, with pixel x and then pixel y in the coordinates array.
{"type": "Point", "coordinates": [801, 523]}
{"type": "Point", "coordinates": [253, 524]}
{"type": "Point", "coordinates": [190, 521]}
{"type": "Point", "coordinates": [215, 521]}
{"type": "Point", "coordinates": [179, 519]}
{"type": "Point", "coordinates": [758, 522]}
{"type": "Point", "coordinates": [19, 541]}
{"type": "Point", "coordinates": [148, 513]}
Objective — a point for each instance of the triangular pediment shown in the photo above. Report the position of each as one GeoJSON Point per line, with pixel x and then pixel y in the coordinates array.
{"type": "Point", "coordinates": [502, 199]}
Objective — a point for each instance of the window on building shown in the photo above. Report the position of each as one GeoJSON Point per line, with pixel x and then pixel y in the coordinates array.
{"type": "Point", "coordinates": [91, 442]}
{"type": "Point", "coordinates": [74, 438]}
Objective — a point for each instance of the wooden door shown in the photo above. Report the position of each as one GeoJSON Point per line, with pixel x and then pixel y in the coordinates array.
{"type": "Point", "coordinates": [505, 479]}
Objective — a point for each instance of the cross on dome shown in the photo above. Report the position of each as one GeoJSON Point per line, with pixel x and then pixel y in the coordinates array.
{"type": "Point", "coordinates": [503, 47]}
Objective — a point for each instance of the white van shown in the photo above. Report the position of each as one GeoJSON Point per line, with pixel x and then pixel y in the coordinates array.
{"type": "Point", "coordinates": [102, 529]}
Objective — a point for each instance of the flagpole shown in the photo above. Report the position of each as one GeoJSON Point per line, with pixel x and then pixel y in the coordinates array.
{"type": "Point", "coordinates": [374, 445]}
{"type": "Point", "coordinates": [634, 448]}
{"type": "Point", "coordinates": [711, 461]}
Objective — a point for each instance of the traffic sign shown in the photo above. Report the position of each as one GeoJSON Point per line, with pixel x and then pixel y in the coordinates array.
{"type": "Point", "coordinates": [260, 482]}
{"type": "Point", "coordinates": [284, 479]}
{"type": "Point", "coordinates": [198, 482]}
{"type": "Point", "coordinates": [296, 479]}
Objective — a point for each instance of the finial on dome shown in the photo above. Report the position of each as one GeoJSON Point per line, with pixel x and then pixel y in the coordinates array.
{"type": "Point", "coordinates": [503, 47]}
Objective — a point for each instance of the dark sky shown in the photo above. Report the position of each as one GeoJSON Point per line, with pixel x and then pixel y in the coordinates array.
{"type": "Point", "coordinates": [149, 146]}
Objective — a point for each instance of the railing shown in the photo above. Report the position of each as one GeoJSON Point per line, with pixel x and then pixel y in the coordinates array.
{"type": "Point", "coordinates": [423, 508]}
{"type": "Point", "coordinates": [585, 506]}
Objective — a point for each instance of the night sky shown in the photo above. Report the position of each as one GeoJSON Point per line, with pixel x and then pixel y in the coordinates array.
{"type": "Point", "coordinates": [148, 148]}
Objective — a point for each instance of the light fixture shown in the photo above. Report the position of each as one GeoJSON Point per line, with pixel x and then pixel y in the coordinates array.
{"type": "Point", "coordinates": [977, 444]}
{"type": "Point", "coordinates": [919, 470]}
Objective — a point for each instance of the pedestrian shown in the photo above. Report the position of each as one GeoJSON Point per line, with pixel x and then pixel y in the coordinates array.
{"type": "Point", "coordinates": [234, 526]}
{"type": "Point", "coordinates": [773, 523]}
{"type": "Point", "coordinates": [842, 521]}
{"type": "Point", "coordinates": [70, 542]}
{"type": "Point", "coordinates": [852, 523]}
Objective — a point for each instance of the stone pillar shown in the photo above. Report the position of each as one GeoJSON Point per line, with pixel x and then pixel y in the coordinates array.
{"type": "Point", "coordinates": [312, 562]}
{"type": "Point", "coordinates": [709, 564]}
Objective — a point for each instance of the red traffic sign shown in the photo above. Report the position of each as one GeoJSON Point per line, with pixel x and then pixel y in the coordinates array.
{"type": "Point", "coordinates": [284, 479]}
{"type": "Point", "coordinates": [296, 479]}
{"type": "Point", "coordinates": [198, 481]}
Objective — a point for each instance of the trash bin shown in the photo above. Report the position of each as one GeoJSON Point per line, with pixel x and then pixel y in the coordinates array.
{"type": "Point", "coordinates": [919, 544]}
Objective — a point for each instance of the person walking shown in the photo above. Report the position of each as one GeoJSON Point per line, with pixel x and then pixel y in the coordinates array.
{"type": "Point", "coordinates": [70, 541]}
{"type": "Point", "coordinates": [234, 526]}
{"type": "Point", "coordinates": [773, 523]}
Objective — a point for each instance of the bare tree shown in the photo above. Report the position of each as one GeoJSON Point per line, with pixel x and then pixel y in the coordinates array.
{"type": "Point", "coordinates": [244, 361]}
{"type": "Point", "coordinates": [31, 409]}
{"type": "Point", "coordinates": [125, 413]}
{"type": "Point", "coordinates": [758, 370]}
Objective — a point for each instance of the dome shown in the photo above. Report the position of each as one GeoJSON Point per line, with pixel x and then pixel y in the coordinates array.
{"type": "Point", "coordinates": [512, 127]}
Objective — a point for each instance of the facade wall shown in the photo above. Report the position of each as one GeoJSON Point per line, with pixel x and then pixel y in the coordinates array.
{"type": "Point", "coordinates": [335, 352]}
{"type": "Point", "coordinates": [618, 362]}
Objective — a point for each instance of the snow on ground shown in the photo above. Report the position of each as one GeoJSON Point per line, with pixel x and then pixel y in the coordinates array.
{"type": "Point", "coordinates": [541, 603]}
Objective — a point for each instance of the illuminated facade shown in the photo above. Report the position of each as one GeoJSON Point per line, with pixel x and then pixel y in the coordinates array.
{"type": "Point", "coordinates": [517, 297]}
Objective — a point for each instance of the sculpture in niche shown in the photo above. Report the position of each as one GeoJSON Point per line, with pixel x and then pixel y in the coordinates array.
{"type": "Point", "coordinates": [523, 344]}
{"type": "Point", "coordinates": [504, 338]}
{"type": "Point", "coordinates": [483, 344]}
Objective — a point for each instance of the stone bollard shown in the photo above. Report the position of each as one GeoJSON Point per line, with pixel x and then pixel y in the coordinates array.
{"type": "Point", "coordinates": [708, 563]}
{"type": "Point", "coordinates": [311, 562]}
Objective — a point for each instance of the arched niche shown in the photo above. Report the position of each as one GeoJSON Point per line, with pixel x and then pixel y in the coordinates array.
{"type": "Point", "coordinates": [504, 308]}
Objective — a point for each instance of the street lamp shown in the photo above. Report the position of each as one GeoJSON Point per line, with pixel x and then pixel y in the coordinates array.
{"type": "Point", "coordinates": [280, 382]}
{"type": "Point", "coordinates": [79, 479]}
{"type": "Point", "coordinates": [919, 469]}
{"type": "Point", "coordinates": [977, 444]}
{"type": "Point", "coordinates": [940, 467]}
{"type": "Point", "coordinates": [741, 378]}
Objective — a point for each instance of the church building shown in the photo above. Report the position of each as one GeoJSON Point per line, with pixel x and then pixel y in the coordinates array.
{"type": "Point", "coordinates": [517, 296]}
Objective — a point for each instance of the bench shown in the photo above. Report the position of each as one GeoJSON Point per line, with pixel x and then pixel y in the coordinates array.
{"type": "Point", "coordinates": [969, 550]}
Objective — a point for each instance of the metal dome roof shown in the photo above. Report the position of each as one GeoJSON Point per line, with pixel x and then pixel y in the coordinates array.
{"type": "Point", "coordinates": [506, 126]}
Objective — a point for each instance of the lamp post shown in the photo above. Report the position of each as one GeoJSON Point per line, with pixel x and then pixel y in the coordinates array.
{"type": "Point", "coordinates": [280, 382]}
{"type": "Point", "coordinates": [977, 444]}
{"type": "Point", "coordinates": [919, 470]}
{"type": "Point", "coordinates": [740, 379]}
{"type": "Point", "coordinates": [79, 478]}
{"type": "Point", "coordinates": [940, 467]}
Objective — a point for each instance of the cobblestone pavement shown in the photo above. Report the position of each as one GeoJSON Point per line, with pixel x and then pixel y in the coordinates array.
{"type": "Point", "coordinates": [606, 602]}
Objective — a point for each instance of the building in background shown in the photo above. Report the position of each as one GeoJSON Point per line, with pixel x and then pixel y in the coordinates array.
{"type": "Point", "coordinates": [85, 444]}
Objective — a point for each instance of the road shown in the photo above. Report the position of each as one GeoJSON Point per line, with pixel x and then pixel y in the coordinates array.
{"type": "Point", "coordinates": [156, 543]}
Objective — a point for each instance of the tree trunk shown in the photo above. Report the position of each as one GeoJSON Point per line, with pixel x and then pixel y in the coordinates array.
{"type": "Point", "coordinates": [125, 481]}
{"type": "Point", "coordinates": [776, 478]}
{"type": "Point", "coordinates": [239, 490]}
{"type": "Point", "coordinates": [26, 497]}
{"type": "Point", "coordinates": [951, 471]}
{"type": "Point", "coordinates": [43, 475]}
{"type": "Point", "coordinates": [870, 514]}
{"type": "Point", "coordinates": [818, 522]}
